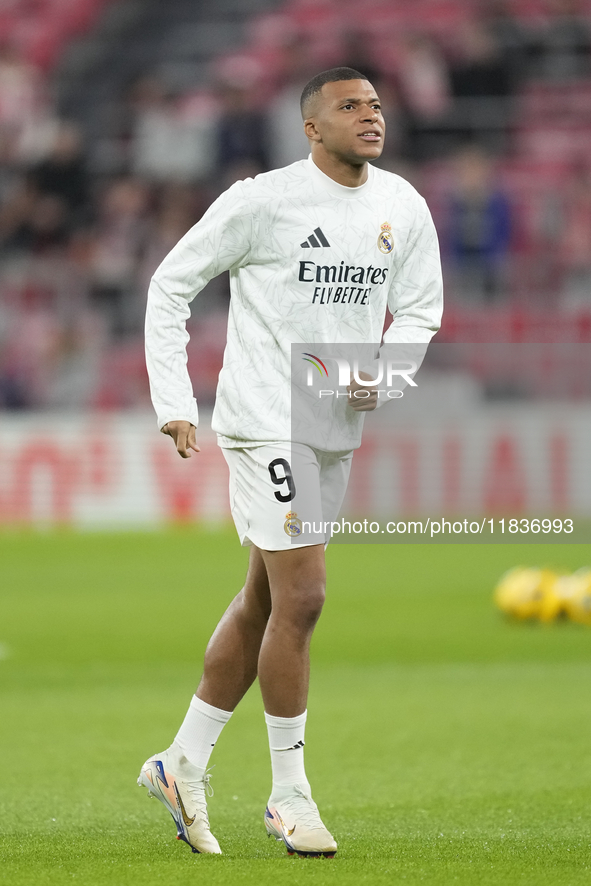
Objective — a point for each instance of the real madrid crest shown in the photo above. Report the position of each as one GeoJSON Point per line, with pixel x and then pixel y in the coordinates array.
{"type": "Point", "coordinates": [385, 239]}
{"type": "Point", "coordinates": [293, 524]}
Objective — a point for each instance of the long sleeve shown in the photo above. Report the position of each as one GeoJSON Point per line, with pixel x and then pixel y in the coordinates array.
{"type": "Point", "coordinates": [415, 298]}
{"type": "Point", "coordinates": [220, 241]}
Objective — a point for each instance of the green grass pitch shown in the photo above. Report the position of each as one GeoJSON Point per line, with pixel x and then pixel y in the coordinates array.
{"type": "Point", "coordinates": [444, 745]}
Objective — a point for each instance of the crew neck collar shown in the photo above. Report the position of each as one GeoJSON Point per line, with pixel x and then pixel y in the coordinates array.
{"type": "Point", "coordinates": [336, 189]}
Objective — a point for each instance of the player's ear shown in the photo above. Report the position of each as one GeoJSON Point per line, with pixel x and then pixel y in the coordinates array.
{"type": "Point", "coordinates": [311, 130]}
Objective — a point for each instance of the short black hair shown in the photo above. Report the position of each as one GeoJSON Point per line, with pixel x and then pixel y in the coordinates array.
{"type": "Point", "coordinates": [331, 76]}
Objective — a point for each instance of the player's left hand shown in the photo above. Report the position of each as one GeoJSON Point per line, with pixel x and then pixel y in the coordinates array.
{"type": "Point", "coordinates": [183, 434]}
{"type": "Point", "coordinates": [364, 402]}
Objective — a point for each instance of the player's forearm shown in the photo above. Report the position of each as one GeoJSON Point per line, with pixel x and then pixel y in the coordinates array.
{"type": "Point", "coordinates": [166, 356]}
{"type": "Point", "coordinates": [415, 328]}
{"type": "Point", "coordinates": [416, 296]}
{"type": "Point", "coordinates": [417, 321]}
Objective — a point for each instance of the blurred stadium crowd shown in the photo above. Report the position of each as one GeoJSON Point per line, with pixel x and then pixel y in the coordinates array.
{"type": "Point", "coordinates": [120, 122]}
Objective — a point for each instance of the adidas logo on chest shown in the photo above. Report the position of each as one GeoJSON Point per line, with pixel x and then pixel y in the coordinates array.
{"type": "Point", "coordinates": [317, 240]}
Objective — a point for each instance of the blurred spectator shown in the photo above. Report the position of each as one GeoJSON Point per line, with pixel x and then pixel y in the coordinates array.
{"type": "Point", "coordinates": [479, 228]}
{"type": "Point", "coordinates": [174, 216]}
{"type": "Point", "coordinates": [21, 92]}
{"type": "Point", "coordinates": [563, 46]}
{"type": "Point", "coordinates": [575, 242]}
{"type": "Point", "coordinates": [14, 393]}
{"type": "Point", "coordinates": [479, 70]}
{"type": "Point", "coordinates": [481, 85]}
{"type": "Point", "coordinates": [63, 173]}
{"type": "Point", "coordinates": [242, 140]}
{"type": "Point", "coordinates": [284, 125]}
{"type": "Point", "coordinates": [119, 238]}
{"type": "Point", "coordinates": [9, 177]}
{"type": "Point", "coordinates": [27, 354]}
{"type": "Point", "coordinates": [42, 206]}
{"type": "Point", "coordinates": [33, 222]}
{"type": "Point", "coordinates": [514, 38]}
{"type": "Point", "coordinates": [73, 363]}
{"type": "Point", "coordinates": [172, 140]}
{"type": "Point", "coordinates": [423, 77]}
{"type": "Point", "coordinates": [358, 52]}
{"type": "Point", "coordinates": [38, 138]}
{"type": "Point", "coordinates": [48, 225]}
{"type": "Point", "coordinates": [424, 82]}
{"type": "Point", "coordinates": [15, 212]}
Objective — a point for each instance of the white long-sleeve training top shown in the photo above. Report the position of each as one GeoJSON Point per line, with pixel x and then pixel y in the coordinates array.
{"type": "Point", "coordinates": [310, 261]}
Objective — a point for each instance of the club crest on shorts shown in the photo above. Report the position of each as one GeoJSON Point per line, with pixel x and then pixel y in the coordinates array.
{"type": "Point", "coordinates": [293, 524]}
{"type": "Point", "coordinates": [385, 239]}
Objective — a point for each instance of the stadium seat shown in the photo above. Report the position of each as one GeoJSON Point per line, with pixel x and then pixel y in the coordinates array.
{"type": "Point", "coordinates": [42, 29]}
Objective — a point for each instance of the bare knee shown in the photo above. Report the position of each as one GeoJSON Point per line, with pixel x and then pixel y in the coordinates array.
{"type": "Point", "coordinates": [312, 607]}
{"type": "Point", "coordinates": [301, 604]}
{"type": "Point", "coordinates": [297, 580]}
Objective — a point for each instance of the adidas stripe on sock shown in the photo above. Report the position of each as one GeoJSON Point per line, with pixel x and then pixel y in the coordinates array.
{"type": "Point", "coordinates": [286, 743]}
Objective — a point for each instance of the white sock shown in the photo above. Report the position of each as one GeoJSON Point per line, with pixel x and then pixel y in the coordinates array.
{"type": "Point", "coordinates": [286, 742]}
{"type": "Point", "coordinates": [200, 730]}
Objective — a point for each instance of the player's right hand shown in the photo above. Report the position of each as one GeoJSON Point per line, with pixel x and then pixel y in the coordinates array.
{"type": "Point", "coordinates": [183, 434]}
{"type": "Point", "coordinates": [367, 398]}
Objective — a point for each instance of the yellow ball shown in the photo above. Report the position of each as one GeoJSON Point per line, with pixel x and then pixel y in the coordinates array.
{"type": "Point", "coordinates": [576, 589]}
{"type": "Point", "coordinates": [529, 593]}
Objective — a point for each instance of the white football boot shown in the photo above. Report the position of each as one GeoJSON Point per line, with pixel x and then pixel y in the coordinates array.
{"type": "Point", "coordinates": [294, 818]}
{"type": "Point", "coordinates": [182, 788]}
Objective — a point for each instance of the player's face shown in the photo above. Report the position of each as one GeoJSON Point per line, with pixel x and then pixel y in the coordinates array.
{"type": "Point", "coordinates": [348, 122]}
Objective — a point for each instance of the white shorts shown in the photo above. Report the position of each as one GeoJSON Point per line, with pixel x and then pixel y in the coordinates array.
{"type": "Point", "coordinates": [285, 495]}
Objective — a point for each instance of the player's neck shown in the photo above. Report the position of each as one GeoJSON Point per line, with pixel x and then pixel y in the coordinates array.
{"type": "Point", "coordinates": [339, 170]}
